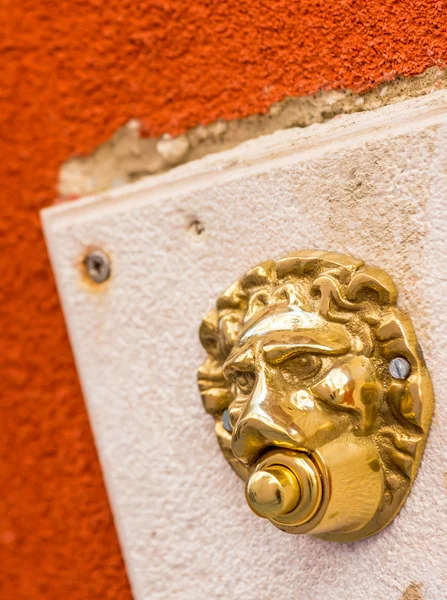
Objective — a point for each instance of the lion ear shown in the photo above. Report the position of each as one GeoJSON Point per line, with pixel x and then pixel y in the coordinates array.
{"type": "Point", "coordinates": [397, 337]}
{"type": "Point", "coordinates": [209, 333]}
{"type": "Point", "coordinates": [258, 276]}
{"type": "Point", "coordinates": [214, 388]}
{"type": "Point", "coordinates": [376, 280]}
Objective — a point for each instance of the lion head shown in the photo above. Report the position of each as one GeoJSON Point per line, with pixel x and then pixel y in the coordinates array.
{"type": "Point", "coordinates": [298, 366]}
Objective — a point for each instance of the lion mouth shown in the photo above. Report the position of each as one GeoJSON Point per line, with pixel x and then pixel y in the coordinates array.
{"type": "Point", "coordinates": [273, 450]}
{"type": "Point", "coordinates": [285, 486]}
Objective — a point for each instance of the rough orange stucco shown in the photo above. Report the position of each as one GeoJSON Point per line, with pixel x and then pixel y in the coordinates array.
{"type": "Point", "coordinates": [72, 73]}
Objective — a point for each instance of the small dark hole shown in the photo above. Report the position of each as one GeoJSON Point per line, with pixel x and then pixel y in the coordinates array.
{"type": "Point", "coordinates": [196, 226]}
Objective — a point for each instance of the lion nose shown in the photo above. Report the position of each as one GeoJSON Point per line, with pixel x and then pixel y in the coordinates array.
{"type": "Point", "coordinates": [263, 425]}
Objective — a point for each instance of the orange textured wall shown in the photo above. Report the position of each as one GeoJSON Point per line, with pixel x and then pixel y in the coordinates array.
{"type": "Point", "coordinates": [72, 72]}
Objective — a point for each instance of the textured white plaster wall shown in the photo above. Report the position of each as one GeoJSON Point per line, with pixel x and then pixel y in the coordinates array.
{"type": "Point", "coordinates": [373, 185]}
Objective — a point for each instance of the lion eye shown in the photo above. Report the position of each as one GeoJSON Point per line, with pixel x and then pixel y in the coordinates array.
{"type": "Point", "coordinates": [304, 366]}
{"type": "Point", "coordinates": [244, 382]}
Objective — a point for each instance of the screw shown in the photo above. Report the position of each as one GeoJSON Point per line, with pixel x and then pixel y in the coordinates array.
{"type": "Point", "coordinates": [226, 421]}
{"type": "Point", "coordinates": [399, 368]}
{"type": "Point", "coordinates": [97, 266]}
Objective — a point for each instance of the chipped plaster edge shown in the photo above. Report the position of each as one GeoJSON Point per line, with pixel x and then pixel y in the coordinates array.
{"type": "Point", "coordinates": [128, 157]}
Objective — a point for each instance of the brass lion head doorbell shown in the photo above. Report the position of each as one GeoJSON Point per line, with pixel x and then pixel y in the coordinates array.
{"type": "Point", "coordinates": [320, 393]}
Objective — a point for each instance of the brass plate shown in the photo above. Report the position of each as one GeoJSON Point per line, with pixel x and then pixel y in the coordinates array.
{"type": "Point", "coordinates": [309, 359]}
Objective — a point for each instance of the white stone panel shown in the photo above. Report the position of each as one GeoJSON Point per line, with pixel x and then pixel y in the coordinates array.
{"type": "Point", "coordinates": [373, 185]}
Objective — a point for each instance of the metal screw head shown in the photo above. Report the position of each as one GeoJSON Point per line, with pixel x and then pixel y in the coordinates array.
{"type": "Point", "coordinates": [226, 421]}
{"type": "Point", "coordinates": [97, 266]}
{"type": "Point", "coordinates": [399, 368]}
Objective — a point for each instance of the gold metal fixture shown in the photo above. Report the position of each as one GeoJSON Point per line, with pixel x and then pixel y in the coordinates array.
{"type": "Point", "coordinates": [321, 397]}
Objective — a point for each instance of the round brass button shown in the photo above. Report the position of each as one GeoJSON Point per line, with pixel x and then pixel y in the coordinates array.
{"type": "Point", "coordinates": [286, 487]}
{"type": "Point", "coordinates": [273, 492]}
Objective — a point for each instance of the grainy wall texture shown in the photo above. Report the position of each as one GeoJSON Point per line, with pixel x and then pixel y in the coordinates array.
{"type": "Point", "coordinates": [72, 74]}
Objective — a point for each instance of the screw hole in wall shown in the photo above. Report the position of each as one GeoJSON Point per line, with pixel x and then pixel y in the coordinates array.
{"type": "Point", "coordinates": [195, 226]}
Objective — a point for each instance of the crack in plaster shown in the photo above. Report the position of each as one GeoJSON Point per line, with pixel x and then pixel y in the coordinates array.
{"type": "Point", "coordinates": [127, 156]}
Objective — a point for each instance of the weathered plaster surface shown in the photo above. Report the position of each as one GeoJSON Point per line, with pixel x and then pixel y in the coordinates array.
{"type": "Point", "coordinates": [371, 185]}
{"type": "Point", "coordinates": [128, 156]}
